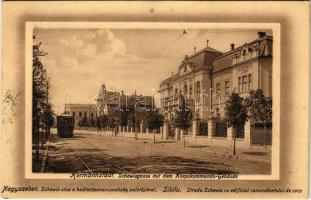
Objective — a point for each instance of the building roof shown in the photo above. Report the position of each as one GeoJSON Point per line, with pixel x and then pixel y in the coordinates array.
{"type": "Point", "coordinates": [204, 57]}
{"type": "Point", "coordinates": [262, 45]}
{"type": "Point", "coordinates": [68, 106]}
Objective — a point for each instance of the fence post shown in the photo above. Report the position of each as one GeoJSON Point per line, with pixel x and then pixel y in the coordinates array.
{"type": "Point", "coordinates": [194, 128]}
{"type": "Point", "coordinates": [229, 135]}
{"type": "Point", "coordinates": [177, 131]}
{"type": "Point", "coordinates": [210, 127]}
{"type": "Point", "coordinates": [165, 131]}
{"type": "Point", "coordinates": [247, 134]}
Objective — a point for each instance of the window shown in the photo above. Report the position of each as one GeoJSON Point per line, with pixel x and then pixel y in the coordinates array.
{"type": "Point", "coordinates": [80, 114]}
{"type": "Point", "coordinates": [190, 90]}
{"type": "Point", "coordinates": [85, 114]}
{"type": "Point", "coordinates": [240, 84]}
{"type": "Point", "coordinates": [218, 88]}
{"type": "Point", "coordinates": [250, 82]}
{"type": "Point", "coordinates": [185, 90]}
{"type": "Point", "coordinates": [73, 114]}
{"type": "Point", "coordinates": [227, 88]}
{"type": "Point", "coordinates": [244, 83]}
{"type": "Point", "coordinates": [198, 89]}
{"type": "Point", "coordinates": [91, 114]}
{"type": "Point", "coordinates": [218, 113]}
{"type": "Point", "coordinates": [176, 91]}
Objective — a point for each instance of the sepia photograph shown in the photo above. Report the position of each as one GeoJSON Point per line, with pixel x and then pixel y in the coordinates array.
{"type": "Point", "coordinates": [156, 100]}
{"type": "Point", "coordinates": [141, 99]}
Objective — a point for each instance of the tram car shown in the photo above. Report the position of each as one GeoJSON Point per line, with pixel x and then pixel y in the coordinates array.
{"type": "Point", "coordinates": [65, 125]}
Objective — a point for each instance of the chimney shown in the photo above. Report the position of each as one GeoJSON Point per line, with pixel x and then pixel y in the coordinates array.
{"type": "Point", "coordinates": [261, 34]}
{"type": "Point", "coordinates": [207, 43]}
{"type": "Point", "coordinates": [122, 92]}
{"type": "Point", "coordinates": [231, 46]}
{"type": "Point", "coordinates": [195, 49]}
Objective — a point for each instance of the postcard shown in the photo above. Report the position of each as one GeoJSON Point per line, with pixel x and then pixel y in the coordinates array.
{"type": "Point", "coordinates": [106, 102]}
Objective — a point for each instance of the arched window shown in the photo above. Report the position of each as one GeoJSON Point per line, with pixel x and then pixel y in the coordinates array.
{"type": "Point", "coordinates": [198, 89]}
{"type": "Point", "coordinates": [190, 90]}
{"type": "Point", "coordinates": [185, 90]}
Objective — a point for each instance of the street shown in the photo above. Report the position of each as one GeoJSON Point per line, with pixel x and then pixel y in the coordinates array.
{"type": "Point", "coordinates": [89, 151]}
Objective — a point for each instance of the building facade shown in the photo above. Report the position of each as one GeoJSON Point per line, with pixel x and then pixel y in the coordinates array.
{"type": "Point", "coordinates": [207, 77]}
{"type": "Point", "coordinates": [81, 112]}
{"type": "Point", "coordinates": [108, 102]}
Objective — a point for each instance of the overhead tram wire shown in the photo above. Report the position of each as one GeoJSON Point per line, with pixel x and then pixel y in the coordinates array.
{"type": "Point", "coordinates": [184, 32]}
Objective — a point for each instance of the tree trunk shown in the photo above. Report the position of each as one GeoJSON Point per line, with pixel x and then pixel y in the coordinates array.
{"type": "Point", "coordinates": [234, 130]}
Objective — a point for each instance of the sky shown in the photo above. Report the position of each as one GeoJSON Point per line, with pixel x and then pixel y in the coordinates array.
{"type": "Point", "coordinates": [80, 60]}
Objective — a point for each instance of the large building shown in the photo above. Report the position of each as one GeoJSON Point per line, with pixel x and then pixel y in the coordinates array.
{"type": "Point", "coordinates": [207, 77]}
{"type": "Point", "coordinates": [108, 102]}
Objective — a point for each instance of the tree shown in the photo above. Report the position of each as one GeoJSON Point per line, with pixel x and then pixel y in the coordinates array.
{"type": "Point", "coordinates": [259, 107]}
{"type": "Point", "coordinates": [183, 115]}
{"type": "Point", "coordinates": [236, 113]}
{"type": "Point", "coordinates": [41, 109]}
{"type": "Point", "coordinates": [154, 119]}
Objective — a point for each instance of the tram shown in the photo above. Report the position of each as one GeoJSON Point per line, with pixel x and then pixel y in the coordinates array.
{"type": "Point", "coordinates": [65, 125]}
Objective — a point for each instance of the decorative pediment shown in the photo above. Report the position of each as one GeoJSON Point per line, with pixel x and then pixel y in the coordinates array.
{"type": "Point", "coordinates": [185, 69]}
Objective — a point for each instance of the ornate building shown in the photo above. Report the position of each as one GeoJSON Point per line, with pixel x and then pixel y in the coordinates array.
{"type": "Point", "coordinates": [207, 77]}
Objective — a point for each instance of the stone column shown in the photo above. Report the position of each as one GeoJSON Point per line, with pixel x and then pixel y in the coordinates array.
{"type": "Point", "coordinates": [247, 135]}
{"type": "Point", "coordinates": [194, 128]}
{"type": "Point", "coordinates": [119, 128]}
{"type": "Point", "coordinates": [230, 135]}
{"type": "Point", "coordinates": [210, 129]}
{"type": "Point", "coordinates": [147, 131]}
{"type": "Point", "coordinates": [181, 134]}
{"type": "Point", "coordinates": [141, 127]}
{"type": "Point", "coordinates": [177, 132]}
{"type": "Point", "coordinates": [165, 131]}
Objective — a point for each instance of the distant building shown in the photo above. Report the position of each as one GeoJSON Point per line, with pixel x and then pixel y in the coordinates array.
{"type": "Point", "coordinates": [80, 111]}
{"type": "Point", "coordinates": [108, 102]}
{"type": "Point", "coordinates": [207, 77]}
